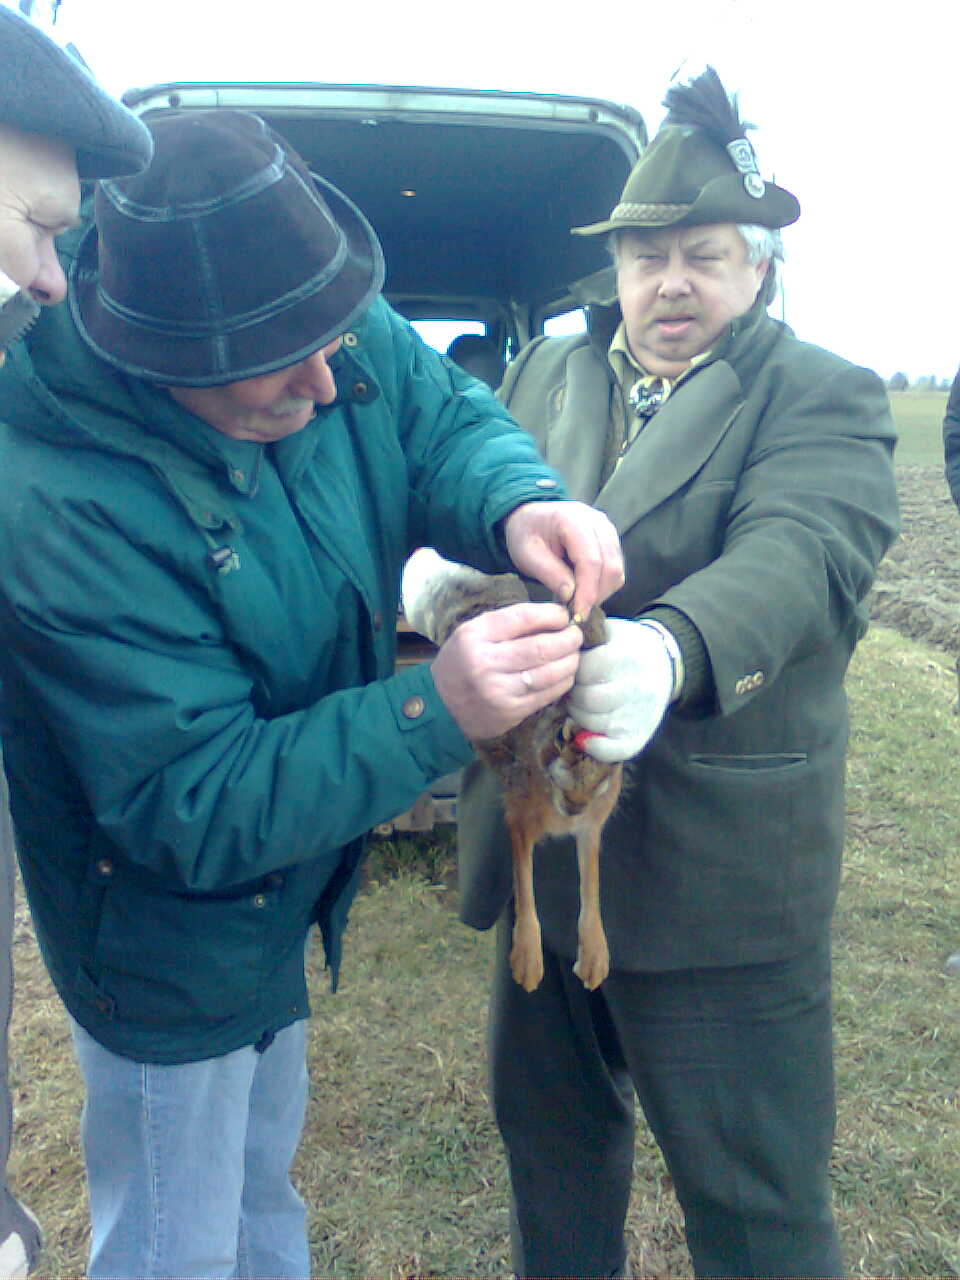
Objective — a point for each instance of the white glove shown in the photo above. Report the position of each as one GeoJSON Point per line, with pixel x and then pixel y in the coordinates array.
{"type": "Point", "coordinates": [624, 687]}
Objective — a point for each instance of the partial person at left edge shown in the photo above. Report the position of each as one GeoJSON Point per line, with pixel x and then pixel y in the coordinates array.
{"type": "Point", "coordinates": [56, 127]}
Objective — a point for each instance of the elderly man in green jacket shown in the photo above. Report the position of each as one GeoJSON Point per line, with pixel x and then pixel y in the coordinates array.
{"type": "Point", "coordinates": [213, 472]}
{"type": "Point", "coordinates": [750, 478]}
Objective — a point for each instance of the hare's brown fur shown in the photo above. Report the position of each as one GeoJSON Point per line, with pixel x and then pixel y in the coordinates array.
{"type": "Point", "coordinates": [550, 787]}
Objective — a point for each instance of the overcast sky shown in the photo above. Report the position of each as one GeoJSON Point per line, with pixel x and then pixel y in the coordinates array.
{"type": "Point", "coordinates": [856, 105]}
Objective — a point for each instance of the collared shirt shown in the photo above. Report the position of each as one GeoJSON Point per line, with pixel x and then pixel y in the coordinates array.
{"type": "Point", "coordinates": [638, 394]}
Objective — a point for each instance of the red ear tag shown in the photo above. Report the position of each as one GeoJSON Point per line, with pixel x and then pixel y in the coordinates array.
{"type": "Point", "coordinates": [581, 736]}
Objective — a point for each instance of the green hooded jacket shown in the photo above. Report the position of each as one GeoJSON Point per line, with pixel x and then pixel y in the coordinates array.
{"type": "Point", "coordinates": [201, 715]}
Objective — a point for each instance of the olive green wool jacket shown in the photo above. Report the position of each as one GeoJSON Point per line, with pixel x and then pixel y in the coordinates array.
{"type": "Point", "coordinates": [197, 641]}
{"type": "Point", "coordinates": [757, 502]}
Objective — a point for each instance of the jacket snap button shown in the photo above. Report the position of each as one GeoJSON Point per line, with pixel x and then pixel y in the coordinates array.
{"type": "Point", "coordinates": [413, 707]}
{"type": "Point", "coordinates": [350, 339]}
{"type": "Point", "coordinates": [105, 867]}
{"type": "Point", "coordinates": [259, 900]}
{"type": "Point", "coordinates": [360, 390]}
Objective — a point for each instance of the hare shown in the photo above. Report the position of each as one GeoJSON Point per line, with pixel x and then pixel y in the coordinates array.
{"type": "Point", "coordinates": [550, 785]}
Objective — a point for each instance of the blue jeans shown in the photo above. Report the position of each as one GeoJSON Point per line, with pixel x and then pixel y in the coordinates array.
{"type": "Point", "coordinates": [188, 1165]}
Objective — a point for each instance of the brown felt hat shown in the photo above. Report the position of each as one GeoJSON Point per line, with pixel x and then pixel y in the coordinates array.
{"type": "Point", "coordinates": [699, 168]}
{"type": "Point", "coordinates": [224, 260]}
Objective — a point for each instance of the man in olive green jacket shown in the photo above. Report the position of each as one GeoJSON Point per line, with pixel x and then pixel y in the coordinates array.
{"type": "Point", "coordinates": [750, 478]}
{"type": "Point", "coordinates": [214, 467]}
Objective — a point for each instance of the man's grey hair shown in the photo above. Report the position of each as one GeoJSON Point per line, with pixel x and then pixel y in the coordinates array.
{"type": "Point", "coordinates": [761, 242]}
{"type": "Point", "coordinates": [764, 243]}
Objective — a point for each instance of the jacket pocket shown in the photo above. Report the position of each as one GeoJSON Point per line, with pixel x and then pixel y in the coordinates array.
{"type": "Point", "coordinates": [173, 959]}
{"type": "Point", "coordinates": [765, 762]}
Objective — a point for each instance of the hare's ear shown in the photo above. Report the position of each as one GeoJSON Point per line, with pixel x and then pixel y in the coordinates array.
{"type": "Point", "coordinates": [594, 628]}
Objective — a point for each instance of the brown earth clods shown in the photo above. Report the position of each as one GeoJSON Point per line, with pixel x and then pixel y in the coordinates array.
{"type": "Point", "coordinates": [917, 591]}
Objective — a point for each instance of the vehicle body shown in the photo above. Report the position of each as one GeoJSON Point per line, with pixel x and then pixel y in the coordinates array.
{"type": "Point", "coordinates": [472, 193]}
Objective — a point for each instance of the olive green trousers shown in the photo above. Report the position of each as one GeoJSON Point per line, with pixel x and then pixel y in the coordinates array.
{"type": "Point", "coordinates": [733, 1069]}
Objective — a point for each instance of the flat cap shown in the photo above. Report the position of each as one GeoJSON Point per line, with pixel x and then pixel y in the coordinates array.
{"type": "Point", "coordinates": [47, 91]}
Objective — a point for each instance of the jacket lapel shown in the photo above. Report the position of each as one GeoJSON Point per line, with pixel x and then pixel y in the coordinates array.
{"type": "Point", "coordinates": [575, 441]}
{"type": "Point", "coordinates": [674, 445]}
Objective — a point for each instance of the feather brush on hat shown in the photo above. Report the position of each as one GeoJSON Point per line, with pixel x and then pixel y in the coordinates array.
{"type": "Point", "coordinates": [703, 103]}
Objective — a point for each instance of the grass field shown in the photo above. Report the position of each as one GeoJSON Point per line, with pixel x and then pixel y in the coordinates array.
{"type": "Point", "coordinates": [400, 1163]}
{"type": "Point", "coordinates": [919, 419]}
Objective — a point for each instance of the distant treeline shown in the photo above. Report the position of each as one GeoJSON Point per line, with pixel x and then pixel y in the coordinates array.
{"type": "Point", "coordinates": [930, 382]}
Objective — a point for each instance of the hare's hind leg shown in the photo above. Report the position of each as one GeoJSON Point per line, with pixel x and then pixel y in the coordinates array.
{"type": "Point", "coordinates": [526, 956]}
{"type": "Point", "coordinates": [593, 956]}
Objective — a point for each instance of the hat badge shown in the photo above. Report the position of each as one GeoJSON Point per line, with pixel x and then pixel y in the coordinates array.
{"type": "Point", "coordinates": [745, 160]}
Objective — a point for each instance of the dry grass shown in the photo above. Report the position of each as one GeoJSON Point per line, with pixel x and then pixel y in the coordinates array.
{"type": "Point", "coordinates": [919, 419]}
{"type": "Point", "coordinates": [400, 1163]}
{"type": "Point", "coordinates": [898, 1014]}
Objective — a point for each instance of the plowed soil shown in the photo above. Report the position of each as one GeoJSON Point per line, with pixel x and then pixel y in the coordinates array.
{"type": "Point", "coordinates": [917, 591]}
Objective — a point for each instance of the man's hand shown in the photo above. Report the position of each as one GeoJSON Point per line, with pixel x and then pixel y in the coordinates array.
{"type": "Point", "coordinates": [571, 548]}
{"type": "Point", "coordinates": [500, 667]}
{"type": "Point", "coordinates": [623, 689]}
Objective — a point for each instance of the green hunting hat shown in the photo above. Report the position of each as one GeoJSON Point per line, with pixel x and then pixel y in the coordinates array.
{"type": "Point", "coordinates": [699, 168]}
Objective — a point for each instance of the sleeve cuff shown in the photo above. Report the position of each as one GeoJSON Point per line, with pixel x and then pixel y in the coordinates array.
{"type": "Point", "coordinates": [698, 688]}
